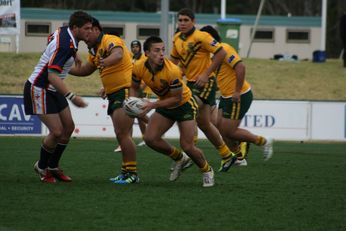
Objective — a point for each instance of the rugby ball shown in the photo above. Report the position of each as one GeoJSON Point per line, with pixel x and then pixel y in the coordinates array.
{"type": "Point", "coordinates": [133, 106]}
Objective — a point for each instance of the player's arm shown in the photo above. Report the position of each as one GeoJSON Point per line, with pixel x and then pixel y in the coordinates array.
{"type": "Point", "coordinates": [216, 62]}
{"type": "Point", "coordinates": [60, 86]}
{"type": "Point", "coordinates": [135, 87]}
{"type": "Point", "coordinates": [82, 70]}
{"type": "Point", "coordinates": [115, 57]}
{"type": "Point", "coordinates": [136, 80]}
{"type": "Point", "coordinates": [172, 101]}
{"type": "Point", "coordinates": [239, 69]}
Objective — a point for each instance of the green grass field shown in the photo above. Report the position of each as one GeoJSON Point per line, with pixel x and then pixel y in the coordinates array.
{"type": "Point", "coordinates": [301, 188]}
{"type": "Point", "coordinates": [270, 79]}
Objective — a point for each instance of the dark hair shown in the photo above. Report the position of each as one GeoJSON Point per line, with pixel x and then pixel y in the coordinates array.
{"type": "Point", "coordinates": [79, 19]}
{"type": "Point", "coordinates": [149, 41]}
{"type": "Point", "coordinates": [96, 23]}
{"type": "Point", "coordinates": [211, 30]}
{"type": "Point", "coordinates": [136, 43]}
{"type": "Point", "coordinates": [187, 12]}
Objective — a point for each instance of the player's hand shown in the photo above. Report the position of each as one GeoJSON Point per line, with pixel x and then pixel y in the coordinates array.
{"type": "Point", "coordinates": [102, 93]}
{"type": "Point", "coordinates": [236, 97]}
{"type": "Point", "coordinates": [146, 108]}
{"type": "Point", "coordinates": [79, 102]}
{"type": "Point", "coordinates": [102, 63]}
{"type": "Point", "coordinates": [202, 80]}
{"type": "Point", "coordinates": [77, 61]}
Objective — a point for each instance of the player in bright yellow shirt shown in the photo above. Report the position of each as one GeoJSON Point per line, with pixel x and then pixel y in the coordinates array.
{"type": "Point", "coordinates": [235, 101]}
{"type": "Point", "coordinates": [137, 55]}
{"type": "Point", "coordinates": [109, 55]}
{"type": "Point", "coordinates": [175, 104]}
{"type": "Point", "coordinates": [192, 48]}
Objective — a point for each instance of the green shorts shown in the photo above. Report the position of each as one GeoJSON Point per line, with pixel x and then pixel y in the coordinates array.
{"type": "Point", "coordinates": [187, 111]}
{"type": "Point", "coordinates": [206, 93]}
{"type": "Point", "coordinates": [116, 99]}
{"type": "Point", "coordinates": [236, 111]}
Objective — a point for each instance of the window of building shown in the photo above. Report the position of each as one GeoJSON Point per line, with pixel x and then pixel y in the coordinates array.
{"type": "Point", "coordinates": [144, 32]}
{"type": "Point", "coordinates": [298, 36]}
{"type": "Point", "coordinates": [114, 30]}
{"type": "Point", "coordinates": [37, 29]}
{"type": "Point", "coordinates": [263, 35]}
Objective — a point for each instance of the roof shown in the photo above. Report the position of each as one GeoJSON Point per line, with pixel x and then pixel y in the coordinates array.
{"type": "Point", "coordinates": [145, 17]}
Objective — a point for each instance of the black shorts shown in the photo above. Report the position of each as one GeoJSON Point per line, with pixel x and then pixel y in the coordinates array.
{"type": "Point", "coordinates": [206, 93]}
{"type": "Point", "coordinates": [116, 100]}
{"type": "Point", "coordinates": [42, 101]}
{"type": "Point", "coordinates": [236, 111]}
{"type": "Point", "coordinates": [187, 111]}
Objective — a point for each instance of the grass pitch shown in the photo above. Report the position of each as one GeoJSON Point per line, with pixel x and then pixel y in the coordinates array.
{"type": "Point", "coordinates": [270, 79]}
{"type": "Point", "coordinates": [302, 188]}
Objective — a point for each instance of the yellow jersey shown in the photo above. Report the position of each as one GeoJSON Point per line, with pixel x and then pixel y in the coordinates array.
{"type": "Point", "coordinates": [163, 80]}
{"type": "Point", "coordinates": [114, 77]}
{"type": "Point", "coordinates": [134, 59]}
{"type": "Point", "coordinates": [226, 75]}
{"type": "Point", "coordinates": [144, 87]}
{"type": "Point", "coordinates": [193, 51]}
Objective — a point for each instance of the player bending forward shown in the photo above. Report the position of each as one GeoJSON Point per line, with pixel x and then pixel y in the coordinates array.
{"type": "Point", "coordinates": [175, 104]}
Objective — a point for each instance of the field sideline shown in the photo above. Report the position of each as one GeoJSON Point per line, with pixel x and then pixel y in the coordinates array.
{"type": "Point", "coordinates": [302, 188]}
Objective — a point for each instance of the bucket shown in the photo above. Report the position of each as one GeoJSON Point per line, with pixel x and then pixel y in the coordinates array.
{"type": "Point", "coordinates": [319, 56]}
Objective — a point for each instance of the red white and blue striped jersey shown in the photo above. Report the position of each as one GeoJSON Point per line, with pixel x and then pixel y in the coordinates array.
{"type": "Point", "coordinates": [58, 57]}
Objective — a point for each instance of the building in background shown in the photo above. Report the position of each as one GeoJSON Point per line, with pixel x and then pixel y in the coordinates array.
{"type": "Point", "coordinates": [295, 35]}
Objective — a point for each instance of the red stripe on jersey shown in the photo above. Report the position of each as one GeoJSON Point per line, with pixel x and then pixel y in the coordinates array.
{"type": "Point", "coordinates": [55, 67]}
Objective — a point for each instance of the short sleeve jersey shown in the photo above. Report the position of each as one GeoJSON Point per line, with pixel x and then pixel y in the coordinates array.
{"type": "Point", "coordinates": [58, 57]}
{"type": "Point", "coordinates": [117, 76]}
{"type": "Point", "coordinates": [194, 52]}
{"type": "Point", "coordinates": [226, 75]}
{"type": "Point", "coordinates": [168, 78]}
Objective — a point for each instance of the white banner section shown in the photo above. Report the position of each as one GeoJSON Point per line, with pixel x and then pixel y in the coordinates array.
{"type": "Point", "coordinates": [282, 120]}
{"type": "Point", "coordinates": [10, 17]}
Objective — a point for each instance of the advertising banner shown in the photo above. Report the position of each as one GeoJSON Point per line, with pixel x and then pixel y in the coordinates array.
{"type": "Point", "coordinates": [13, 119]}
{"type": "Point", "coordinates": [282, 120]}
{"type": "Point", "coordinates": [10, 17]}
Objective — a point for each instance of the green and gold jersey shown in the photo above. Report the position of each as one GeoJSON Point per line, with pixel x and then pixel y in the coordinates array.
{"type": "Point", "coordinates": [147, 90]}
{"type": "Point", "coordinates": [226, 76]}
{"type": "Point", "coordinates": [162, 81]}
{"type": "Point", "coordinates": [134, 59]}
{"type": "Point", "coordinates": [117, 76]}
{"type": "Point", "coordinates": [194, 52]}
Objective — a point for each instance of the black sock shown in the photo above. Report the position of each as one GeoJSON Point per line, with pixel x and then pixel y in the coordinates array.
{"type": "Point", "coordinates": [44, 157]}
{"type": "Point", "coordinates": [55, 158]}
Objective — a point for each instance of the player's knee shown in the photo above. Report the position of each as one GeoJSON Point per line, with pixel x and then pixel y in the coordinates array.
{"type": "Point", "coordinates": [204, 126]}
{"type": "Point", "coordinates": [187, 147]}
{"type": "Point", "coordinates": [57, 133]}
{"type": "Point", "coordinates": [149, 140]}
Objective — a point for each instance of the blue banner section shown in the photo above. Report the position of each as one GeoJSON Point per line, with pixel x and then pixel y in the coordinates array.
{"type": "Point", "coordinates": [13, 119]}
